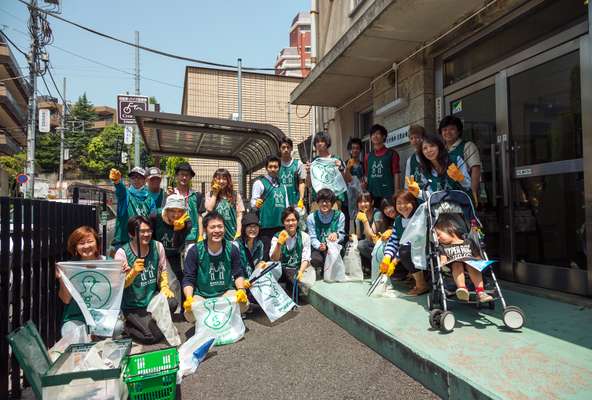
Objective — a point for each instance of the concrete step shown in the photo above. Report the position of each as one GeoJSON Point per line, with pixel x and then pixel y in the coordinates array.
{"type": "Point", "coordinates": [550, 358]}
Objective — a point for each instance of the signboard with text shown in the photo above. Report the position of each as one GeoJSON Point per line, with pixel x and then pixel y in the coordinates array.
{"type": "Point", "coordinates": [397, 137]}
{"type": "Point", "coordinates": [127, 105]}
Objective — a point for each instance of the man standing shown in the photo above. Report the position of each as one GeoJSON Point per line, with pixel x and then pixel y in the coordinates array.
{"type": "Point", "coordinates": [382, 167]}
{"type": "Point", "coordinates": [131, 201]}
{"type": "Point", "coordinates": [292, 174]}
{"type": "Point", "coordinates": [270, 198]}
{"type": "Point", "coordinates": [193, 200]}
{"type": "Point", "coordinates": [416, 134]}
{"type": "Point", "coordinates": [154, 179]}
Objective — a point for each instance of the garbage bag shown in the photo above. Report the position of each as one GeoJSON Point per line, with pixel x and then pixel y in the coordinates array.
{"type": "Point", "coordinates": [193, 352]}
{"type": "Point", "coordinates": [416, 234]}
{"type": "Point", "coordinates": [334, 269]}
{"type": "Point", "coordinates": [270, 296]}
{"type": "Point", "coordinates": [219, 317]}
{"type": "Point", "coordinates": [354, 188]}
{"type": "Point", "coordinates": [353, 261]}
{"type": "Point", "coordinates": [159, 308]}
{"type": "Point", "coordinates": [302, 218]}
{"type": "Point", "coordinates": [324, 174]}
{"type": "Point", "coordinates": [377, 254]}
{"type": "Point", "coordinates": [309, 277]}
{"type": "Point", "coordinates": [76, 334]}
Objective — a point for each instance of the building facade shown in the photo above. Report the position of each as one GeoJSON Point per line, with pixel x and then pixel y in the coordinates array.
{"type": "Point", "coordinates": [265, 99]}
{"type": "Point", "coordinates": [518, 73]}
{"type": "Point", "coordinates": [295, 59]}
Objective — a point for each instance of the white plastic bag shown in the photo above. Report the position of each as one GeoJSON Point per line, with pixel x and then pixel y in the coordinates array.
{"type": "Point", "coordinates": [76, 334]}
{"type": "Point", "coordinates": [377, 254]}
{"type": "Point", "coordinates": [270, 296]}
{"type": "Point", "coordinates": [416, 234]}
{"type": "Point", "coordinates": [334, 269]}
{"type": "Point", "coordinates": [382, 287]}
{"type": "Point", "coordinates": [159, 308]}
{"type": "Point", "coordinates": [193, 352]}
{"type": "Point", "coordinates": [324, 174]}
{"type": "Point", "coordinates": [219, 317]}
{"type": "Point", "coordinates": [354, 188]}
{"type": "Point", "coordinates": [353, 261]}
{"type": "Point", "coordinates": [302, 218]}
{"type": "Point", "coordinates": [309, 277]}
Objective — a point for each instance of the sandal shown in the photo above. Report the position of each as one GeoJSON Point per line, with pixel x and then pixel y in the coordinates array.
{"type": "Point", "coordinates": [418, 291]}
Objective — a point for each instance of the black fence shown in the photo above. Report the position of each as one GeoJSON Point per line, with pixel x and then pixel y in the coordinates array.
{"type": "Point", "coordinates": [33, 236]}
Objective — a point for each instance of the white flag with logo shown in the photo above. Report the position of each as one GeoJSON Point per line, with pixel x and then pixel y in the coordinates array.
{"type": "Point", "coordinates": [219, 317]}
{"type": "Point", "coordinates": [97, 287]}
{"type": "Point", "coordinates": [324, 174]}
{"type": "Point", "coordinates": [270, 296]}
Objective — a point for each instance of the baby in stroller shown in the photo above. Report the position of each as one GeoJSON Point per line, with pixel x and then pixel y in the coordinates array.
{"type": "Point", "coordinates": [454, 247]}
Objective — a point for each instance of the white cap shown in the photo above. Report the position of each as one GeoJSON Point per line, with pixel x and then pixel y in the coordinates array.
{"type": "Point", "coordinates": [175, 201]}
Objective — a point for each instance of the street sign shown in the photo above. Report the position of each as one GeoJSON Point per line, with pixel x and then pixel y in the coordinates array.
{"type": "Point", "coordinates": [123, 157]}
{"type": "Point", "coordinates": [126, 105]}
{"type": "Point", "coordinates": [66, 154]}
{"type": "Point", "coordinates": [128, 134]}
{"type": "Point", "coordinates": [397, 137]}
{"type": "Point", "coordinates": [21, 179]}
{"type": "Point", "coordinates": [44, 120]}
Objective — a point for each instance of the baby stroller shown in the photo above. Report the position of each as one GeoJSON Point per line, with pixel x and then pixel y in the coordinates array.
{"type": "Point", "coordinates": [443, 288]}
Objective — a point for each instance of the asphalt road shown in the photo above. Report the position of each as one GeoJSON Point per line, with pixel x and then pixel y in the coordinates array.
{"type": "Point", "coordinates": [303, 356]}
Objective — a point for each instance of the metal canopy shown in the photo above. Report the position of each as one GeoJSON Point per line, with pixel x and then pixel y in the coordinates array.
{"type": "Point", "coordinates": [248, 143]}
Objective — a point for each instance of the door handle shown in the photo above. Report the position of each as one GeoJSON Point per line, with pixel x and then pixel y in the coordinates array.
{"type": "Point", "coordinates": [493, 149]}
{"type": "Point", "coordinates": [505, 169]}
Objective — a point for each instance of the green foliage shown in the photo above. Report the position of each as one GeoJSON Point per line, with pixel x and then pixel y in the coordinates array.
{"type": "Point", "coordinates": [47, 151]}
{"type": "Point", "coordinates": [171, 163]}
{"type": "Point", "coordinates": [13, 165]}
{"type": "Point", "coordinates": [102, 152]}
{"type": "Point", "coordinates": [78, 136]}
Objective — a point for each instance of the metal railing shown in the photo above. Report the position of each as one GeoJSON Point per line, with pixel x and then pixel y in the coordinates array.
{"type": "Point", "coordinates": [33, 236]}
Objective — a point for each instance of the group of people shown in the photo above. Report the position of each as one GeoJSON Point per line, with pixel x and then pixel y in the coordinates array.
{"type": "Point", "coordinates": [212, 243]}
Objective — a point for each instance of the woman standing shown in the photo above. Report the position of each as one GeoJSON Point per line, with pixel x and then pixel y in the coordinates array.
{"type": "Point", "coordinates": [227, 202]}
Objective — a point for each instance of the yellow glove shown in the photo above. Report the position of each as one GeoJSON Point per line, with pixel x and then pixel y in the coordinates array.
{"type": "Point", "coordinates": [164, 285]}
{"type": "Point", "coordinates": [412, 186]}
{"type": "Point", "coordinates": [350, 163]}
{"type": "Point", "coordinates": [115, 175]}
{"type": "Point", "coordinates": [455, 173]}
{"type": "Point", "coordinates": [300, 204]}
{"type": "Point", "coordinates": [262, 265]}
{"type": "Point", "coordinates": [187, 303]}
{"type": "Point", "coordinates": [283, 236]}
{"type": "Point", "coordinates": [179, 224]}
{"type": "Point", "coordinates": [215, 187]}
{"type": "Point", "coordinates": [362, 217]}
{"type": "Point", "coordinates": [300, 276]}
{"type": "Point", "coordinates": [241, 296]}
{"type": "Point", "coordinates": [200, 238]}
{"type": "Point", "coordinates": [237, 235]}
{"type": "Point", "coordinates": [385, 264]}
{"type": "Point", "coordinates": [386, 235]}
{"type": "Point", "coordinates": [259, 203]}
{"type": "Point", "coordinates": [247, 284]}
{"type": "Point", "coordinates": [139, 265]}
{"type": "Point", "coordinates": [391, 268]}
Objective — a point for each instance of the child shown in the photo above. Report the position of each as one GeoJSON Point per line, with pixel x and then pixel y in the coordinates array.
{"type": "Point", "coordinates": [325, 224]}
{"type": "Point", "coordinates": [454, 249]}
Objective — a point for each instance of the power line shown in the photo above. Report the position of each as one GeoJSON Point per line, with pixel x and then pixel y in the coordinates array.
{"type": "Point", "coordinates": [13, 44]}
{"type": "Point", "coordinates": [149, 49]}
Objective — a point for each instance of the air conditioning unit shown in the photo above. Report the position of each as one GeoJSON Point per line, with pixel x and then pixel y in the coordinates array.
{"type": "Point", "coordinates": [392, 107]}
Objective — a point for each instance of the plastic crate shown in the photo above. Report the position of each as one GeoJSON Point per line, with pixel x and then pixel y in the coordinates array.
{"type": "Point", "coordinates": [152, 375]}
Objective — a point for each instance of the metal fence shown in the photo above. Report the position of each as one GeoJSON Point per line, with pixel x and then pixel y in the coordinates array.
{"type": "Point", "coordinates": [33, 236]}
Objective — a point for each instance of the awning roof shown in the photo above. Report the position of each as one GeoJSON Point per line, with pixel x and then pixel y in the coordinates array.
{"type": "Point", "coordinates": [387, 32]}
{"type": "Point", "coordinates": [248, 143]}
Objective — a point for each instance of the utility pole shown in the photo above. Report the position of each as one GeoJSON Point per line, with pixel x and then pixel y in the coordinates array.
{"type": "Point", "coordinates": [32, 115]}
{"type": "Point", "coordinates": [62, 129]}
{"type": "Point", "coordinates": [136, 130]}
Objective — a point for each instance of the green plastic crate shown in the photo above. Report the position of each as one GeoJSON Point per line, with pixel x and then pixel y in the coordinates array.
{"type": "Point", "coordinates": [152, 375]}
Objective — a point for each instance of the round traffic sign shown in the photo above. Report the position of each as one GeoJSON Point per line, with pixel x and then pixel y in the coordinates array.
{"type": "Point", "coordinates": [22, 178]}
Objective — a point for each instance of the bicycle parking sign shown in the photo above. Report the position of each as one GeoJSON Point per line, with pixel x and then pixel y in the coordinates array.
{"type": "Point", "coordinates": [126, 105]}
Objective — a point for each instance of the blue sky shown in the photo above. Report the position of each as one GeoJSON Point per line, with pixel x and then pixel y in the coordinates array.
{"type": "Point", "coordinates": [213, 30]}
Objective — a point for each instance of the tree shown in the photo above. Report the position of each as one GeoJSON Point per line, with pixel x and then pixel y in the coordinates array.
{"type": "Point", "coordinates": [13, 165]}
{"type": "Point", "coordinates": [103, 151]}
{"type": "Point", "coordinates": [171, 164]}
{"type": "Point", "coordinates": [79, 135]}
{"type": "Point", "coordinates": [47, 151]}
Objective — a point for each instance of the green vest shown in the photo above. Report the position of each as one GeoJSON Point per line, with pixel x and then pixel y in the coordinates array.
{"type": "Point", "coordinates": [289, 178]}
{"type": "Point", "coordinates": [214, 273]}
{"type": "Point", "coordinates": [164, 233]}
{"type": "Point", "coordinates": [459, 151]}
{"type": "Point", "coordinates": [292, 258]}
{"type": "Point", "coordinates": [415, 167]}
{"type": "Point", "coordinates": [443, 182]}
{"type": "Point", "coordinates": [398, 226]}
{"type": "Point", "coordinates": [256, 255]}
{"type": "Point", "coordinates": [274, 203]}
{"type": "Point", "coordinates": [135, 206]}
{"type": "Point", "coordinates": [323, 230]}
{"type": "Point", "coordinates": [380, 174]}
{"type": "Point", "coordinates": [191, 202]}
{"type": "Point", "coordinates": [228, 212]}
{"type": "Point", "coordinates": [145, 284]}
{"type": "Point", "coordinates": [158, 198]}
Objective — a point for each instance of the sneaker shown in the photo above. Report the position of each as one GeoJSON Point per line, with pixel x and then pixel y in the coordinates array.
{"type": "Point", "coordinates": [484, 297]}
{"type": "Point", "coordinates": [462, 294]}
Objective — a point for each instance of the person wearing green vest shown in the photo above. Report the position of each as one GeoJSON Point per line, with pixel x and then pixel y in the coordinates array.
{"type": "Point", "coordinates": [193, 200]}
{"type": "Point", "coordinates": [451, 129]}
{"type": "Point", "coordinates": [438, 171]}
{"type": "Point", "coordinates": [397, 254]}
{"type": "Point", "coordinates": [412, 166]}
{"type": "Point", "coordinates": [131, 201]}
{"type": "Point", "coordinates": [292, 174]}
{"type": "Point", "coordinates": [325, 224]}
{"type": "Point", "coordinates": [153, 181]}
{"type": "Point", "coordinates": [270, 198]}
{"type": "Point", "coordinates": [146, 275]}
{"type": "Point", "coordinates": [249, 244]}
{"type": "Point", "coordinates": [170, 225]}
{"type": "Point", "coordinates": [227, 202]}
{"type": "Point", "coordinates": [83, 245]}
{"type": "Point", "coordinates": [291, 247]}
{"type": "Point", "coordinates": [382, 167]}
{"type": "Point", "coordinates": [212, 268]}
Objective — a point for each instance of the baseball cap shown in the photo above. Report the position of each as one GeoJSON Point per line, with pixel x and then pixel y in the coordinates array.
{"type": "Point", "coordinates": [137, 170]}
{"type": "Point", "coordinates": [154, 172]}
{"type": "Point", "coordinates": [175, 201]}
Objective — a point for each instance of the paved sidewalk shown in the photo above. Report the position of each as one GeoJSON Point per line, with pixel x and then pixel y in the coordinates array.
{"type": "Point", "coordinates": [550, 358]}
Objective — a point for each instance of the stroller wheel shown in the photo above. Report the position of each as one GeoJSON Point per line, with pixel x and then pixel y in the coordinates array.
{"type": "Point", "coordinates": [435, 318]}
{"type": "Point", "coordinates": [447, 321]}
{"type": "Point", "coordinates": [514, 317]}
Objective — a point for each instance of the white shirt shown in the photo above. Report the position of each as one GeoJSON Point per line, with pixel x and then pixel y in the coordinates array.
{"type": "Point", "coordinates": [291, 242]}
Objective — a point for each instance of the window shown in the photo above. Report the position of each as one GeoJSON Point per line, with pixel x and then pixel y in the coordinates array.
{"type": "Point", "coordinates": [307, 49]}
